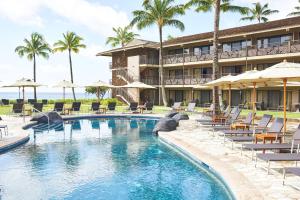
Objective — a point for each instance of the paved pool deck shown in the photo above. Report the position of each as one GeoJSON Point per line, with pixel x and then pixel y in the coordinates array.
{"type": "Point", "coordinates": [239, 172]}
{"type": "Point", "coordinates": [16, 135]}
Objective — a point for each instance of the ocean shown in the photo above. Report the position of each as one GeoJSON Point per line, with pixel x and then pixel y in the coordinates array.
{"type": "Point", "coordinates": [45, 95]}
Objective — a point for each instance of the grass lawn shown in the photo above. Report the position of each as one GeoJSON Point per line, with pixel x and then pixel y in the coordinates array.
{"type": "Point", "coordinates": [5, 110]}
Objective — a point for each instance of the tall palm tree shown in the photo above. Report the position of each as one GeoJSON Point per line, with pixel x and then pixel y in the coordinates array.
{"type": "Point", "coordinates": [71, 43]}
{"type": "Point", "coordinates": [217, 6]}
{"type": "Point", "coordinates": [123, 36]}
{"type": "Point", "coordinates": [35, 46]}
{"type": "Point", "coordinates": [296, 12]}
{"type": "Point", "coordinates": [259, 12]}
{"type": "Point", "coordinates": [161, 13]}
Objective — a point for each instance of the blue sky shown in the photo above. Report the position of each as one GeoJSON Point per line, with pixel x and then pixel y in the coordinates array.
{"type": "Point", "coordinates": [93, 20]}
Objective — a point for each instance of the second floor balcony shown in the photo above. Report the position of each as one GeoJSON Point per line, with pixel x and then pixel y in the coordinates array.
{"type": "Point", "coordinates": [179, 80]}
{"type": "Point", "coordinates": [251, 51]}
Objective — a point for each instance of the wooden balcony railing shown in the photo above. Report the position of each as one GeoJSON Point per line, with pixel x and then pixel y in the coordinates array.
{"type": "Point", "coordinates": [149, 60]}
{"type": "Point", "coordinates": [251, 51]}
{"type": "Point", "coordinates": [183, 80]}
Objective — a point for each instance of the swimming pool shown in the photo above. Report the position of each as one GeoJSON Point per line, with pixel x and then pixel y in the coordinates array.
{"type": "Point", "coordinates": [114, 158]}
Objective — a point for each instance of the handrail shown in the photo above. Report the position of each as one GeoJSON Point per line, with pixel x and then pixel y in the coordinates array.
{"type": "Point", "coordinates": [42, 113]}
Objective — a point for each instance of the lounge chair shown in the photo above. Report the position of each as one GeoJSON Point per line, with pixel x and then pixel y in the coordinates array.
{"type": "Point", "coordinates": [111, 106]}
{"type": "Point", "coordinates": [133, 107]}
{"type": "Point", "coordinates": [226, 121]}
{"type": "Point", "coordinates": [275, 128]}
{"type": "Point", "coordinates": [95, 107]}
{"type": "Point", "coordinates": [5, 102]}
{"type": "Point", "coordinates": [273, 134]}
{"type": "Point", "coordinates": [208, 111]}
{"type": "Point", "coordinates": [74, 108]}
{"type": "Point", "coordinates": [17, 108]}
{"type": "Point", "coordinates": [148, 106]}
{"type": "Point", "coordinates": [177, 106]}
{"type": "Point", "coordinates": [32, 101]}
{"type": "Point", "coordinates": [191, 107]}
{"type": "Point", "coordinates": [290, 170]}
{"type": "Point", "coordinates": [275, 146]}
{"type": "Point", "coordinates": [218, 117]}
{"type": "Point", "coordinates": [37, 107]}
{"type": "Point", "coordinates": [59, 106]}
{"type": "Point", "coordinates": [20, 101]}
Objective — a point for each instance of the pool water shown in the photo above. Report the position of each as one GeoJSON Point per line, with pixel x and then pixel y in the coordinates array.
{"type": "Point", "coordinates": [103, 159]}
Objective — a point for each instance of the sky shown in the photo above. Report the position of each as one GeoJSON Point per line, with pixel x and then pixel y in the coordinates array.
{"type": "Point", "coordinates": [93, 20]}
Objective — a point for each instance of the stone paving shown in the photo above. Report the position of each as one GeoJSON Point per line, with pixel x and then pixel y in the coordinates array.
{"type": "Point", "coordinates": [245, 180]}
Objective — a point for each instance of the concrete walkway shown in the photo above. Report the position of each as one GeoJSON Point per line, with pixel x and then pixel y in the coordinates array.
{"type": "Point", "coordinates": [239, 172]}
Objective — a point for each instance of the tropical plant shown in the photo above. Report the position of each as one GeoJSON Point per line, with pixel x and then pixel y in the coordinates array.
{"type": "Point", "coordinates": [123, 36]}
{"type": "Point", "coordinates": [33, 47]}
{"type": "Point", "coordinates": [100, 93]}
{"type": "Point", "coordinates": [259, 12]}
{"type": "Point", "coordinates": [161, 13]}
{"type": "Point", "coordinates": [217, 6]}
{"type": "Point", "coordinates": [296, 12]}
{"type": "Point", "coordinates": [71, 43]}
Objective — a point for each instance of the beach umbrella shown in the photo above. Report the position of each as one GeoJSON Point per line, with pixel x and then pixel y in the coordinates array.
{"type": "Point", "coordinates": [98, 84]}
{"type": "Point", "coordinates": [225, 81]}
{"type": "Point", "coordinates": [23, 83]}
{"type": "Point", "coordinates": [283, 72]}
{"type": "Point", "coordinates": [138, 85]}
{"type": "Point", "coordinates": [65, 84]}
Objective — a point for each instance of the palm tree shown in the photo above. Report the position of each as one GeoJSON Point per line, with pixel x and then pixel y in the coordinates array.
{"type": "Point", "coordinates": [296, 12]}
{"type": "Point", "coordinates": [217, 6]}
{"type": "Point", "coordinates": [123, 36]}
{"type": "Point", "coordinates": [70, 43]}
{"type": "Point", "coordinates": [162, 13]}
{"type": "Point", "coordinates": [259, 13]}
{"type": "Point", "coordinates": [35, 46]}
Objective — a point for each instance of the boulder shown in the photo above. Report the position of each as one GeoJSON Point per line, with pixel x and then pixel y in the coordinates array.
{"type": "Point", "coordinates": [171, 114]}
{"type": "Point", "coordinates": [165, 124]}
{"type": "Point", "coordinates": [180, 116]}
{"type": "Point", "coordinates": [54, 117]}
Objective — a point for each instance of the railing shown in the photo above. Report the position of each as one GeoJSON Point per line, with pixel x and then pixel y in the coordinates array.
{"type": "Point", "coordinates": [250, 51]}
{"type": "Point", "coordinates": [124, 73]}
{"type": "Point", "coordinates": [149, 60]}
{"type": "Point", "coordinates": [124, 93]}
{"type": "Point", "coordinates": [178, 80]}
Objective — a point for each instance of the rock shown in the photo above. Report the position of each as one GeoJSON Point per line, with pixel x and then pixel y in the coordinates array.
{"type": "Point", "coordinates": [54, 117]}
{"type": "Point", "coordinates": [165, 124]}
{"type": "Point", "coordinates": [181, 116]}
{"type": "Point", "coordinates": [171, 114]}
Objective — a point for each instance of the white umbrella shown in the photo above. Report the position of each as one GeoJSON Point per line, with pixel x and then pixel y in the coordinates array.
{"type": "Point", "coordinates": [138, 85]}
{"type": "Point", "coordinates": [65, 84]}
{"type": "Point", "coordinates": [98, 85]}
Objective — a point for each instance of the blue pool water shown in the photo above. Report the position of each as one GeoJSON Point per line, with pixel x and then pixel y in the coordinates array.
{"type": "Point", "coordinates": [103, 159]}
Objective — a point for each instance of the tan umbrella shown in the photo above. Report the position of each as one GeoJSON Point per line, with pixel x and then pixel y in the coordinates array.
{"type": "Point", "coordinates": [138, 85]}
{"type": "Point", "coordinates": [98, 85]}
{"type": "Point", "coordinates": [283, 71]}
{"type": "Point", "coordinates": [65, 84]}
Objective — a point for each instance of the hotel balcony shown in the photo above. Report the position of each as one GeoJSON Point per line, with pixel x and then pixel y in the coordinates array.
{"type": "Point", "coordinates": [286, 49]}
{"type": "Point", "coordinates": [183, 80]}
{"type": "Point", "coordinates": [149, 60]}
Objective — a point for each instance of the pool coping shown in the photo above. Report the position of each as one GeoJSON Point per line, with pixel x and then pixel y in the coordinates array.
{"type": "Point", "coordinates": [199, 164]}
{"type": "Point", "coordinates": [14, 143]}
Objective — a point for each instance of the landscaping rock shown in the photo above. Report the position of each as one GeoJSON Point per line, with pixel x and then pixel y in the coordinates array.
{"type": "Point", "coordinates": [181, 116]}
{"type": "Point", "coordinates": [54, 117]}
{"type": "Point", "coordinates": [165, 124]}
{"type": "Point", "coordinates": [171, 114]}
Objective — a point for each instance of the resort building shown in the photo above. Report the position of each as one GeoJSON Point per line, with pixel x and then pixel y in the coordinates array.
{"type": "Point", "coordinates": [188, 63]}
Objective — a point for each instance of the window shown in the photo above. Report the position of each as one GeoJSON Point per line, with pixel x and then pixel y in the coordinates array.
{"type": "Point", "coordinates": [203, 50]}
{"type": "Point", "coordinates": [175, 51]}
{"type": "Point", "coordinates": [196, 72]}
{"type": "Point", "coordinates": [273, 41]}
{"type": "Point", "coordinates": [236, 46]}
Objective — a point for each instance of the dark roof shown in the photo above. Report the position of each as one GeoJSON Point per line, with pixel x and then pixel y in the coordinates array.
{"type": "Point", "coordinates": [288, 22]}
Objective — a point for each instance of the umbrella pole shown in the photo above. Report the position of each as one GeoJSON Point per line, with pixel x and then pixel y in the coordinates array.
{"type": "Point", "coordinates": [229, 95]}
{"type": "Point", "coordinates": [284, 105]}
{"type": "Point", "coordinates": [254, 100]}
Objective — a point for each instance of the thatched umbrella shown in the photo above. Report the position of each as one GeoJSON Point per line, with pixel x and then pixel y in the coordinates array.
{"type": "Point", "coordinates": [65, 84]}
{"type": "Point", "coordinates": [138, 85]}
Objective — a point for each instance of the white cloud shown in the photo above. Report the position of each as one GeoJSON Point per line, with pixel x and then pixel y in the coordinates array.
{"type": "Point", "coordinates": [21, 12]}
{"type": "Point", "coordinates": [94, 16]}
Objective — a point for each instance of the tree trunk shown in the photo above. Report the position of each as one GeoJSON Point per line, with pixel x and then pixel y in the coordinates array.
{"type": "Point", "coordinates": [215, 55]}
{"type": "Point", "coordinates": [34, 75]}
{"type": "Point", "coordinates": [161, 72]}
{"type": "Point", "coordinates": [71, 72]}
